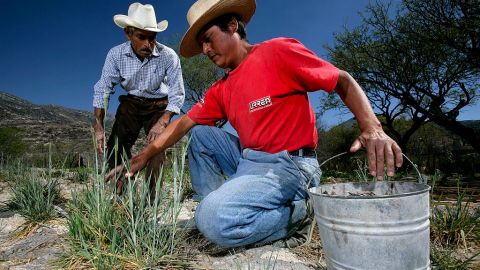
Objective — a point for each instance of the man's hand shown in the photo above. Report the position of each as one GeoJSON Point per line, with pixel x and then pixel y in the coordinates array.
{"type": "Point", "coordinates": [137, 163]}
{"type": "Point", "coordinates": [160, 126]}
{"type": "Point", "coordinates": [380, 149]}
{"type": "Point", "coordinates": [100, 137]}
{"type": "Point", "coordinates": [98, 128]}
{"type": "Point", "coordinates": [115, 176]}
{"type": "Point", "coordinates": [156, 130]}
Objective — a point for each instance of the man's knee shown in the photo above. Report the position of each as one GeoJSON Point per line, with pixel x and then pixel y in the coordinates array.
{"type": "Point", "coordinates": [200, 138]}
{"type": "Point", "coordinates": [199, 133]}
{"type": "Point", "coordinates": [209, 221]}
{"type": "Point", "coordinates": [206, 218]}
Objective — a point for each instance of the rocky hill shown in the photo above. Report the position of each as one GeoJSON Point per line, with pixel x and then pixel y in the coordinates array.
{"type": "Point", "coordinates": [68, 130]}
{"type": "Point", "coordinates": [15, 110]}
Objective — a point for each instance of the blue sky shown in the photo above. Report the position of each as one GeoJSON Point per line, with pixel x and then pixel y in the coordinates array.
{"type": "Point", "coordinates": [53, 50]}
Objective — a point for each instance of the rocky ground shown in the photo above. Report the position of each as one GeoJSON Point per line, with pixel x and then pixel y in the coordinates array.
{"type": "Point", "coordinates": [39, 247]}
{"type": "Point", "coordinates": [42, 245]}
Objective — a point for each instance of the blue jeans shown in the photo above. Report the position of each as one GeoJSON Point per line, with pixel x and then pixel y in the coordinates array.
{"type": "Point", "coordinates": [246, 196]}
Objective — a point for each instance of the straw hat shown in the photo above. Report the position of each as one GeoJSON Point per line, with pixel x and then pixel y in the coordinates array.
{"type": "Point", "coordinates": [203, 11]}
{"type": "Point", "coordinates": [141, 17]}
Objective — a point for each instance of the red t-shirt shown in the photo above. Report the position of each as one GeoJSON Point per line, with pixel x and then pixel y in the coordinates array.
{"type": "Point", "coordinates": [265, 97]}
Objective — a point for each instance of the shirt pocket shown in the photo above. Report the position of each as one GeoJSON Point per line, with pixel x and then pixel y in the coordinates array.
{"type": "Point", "coordinates": [153, 78]}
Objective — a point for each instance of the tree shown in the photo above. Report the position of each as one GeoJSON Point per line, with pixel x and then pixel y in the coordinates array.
{"type": "Point", "coordinates": [11, 146]}
{"type": "Point", "coordinates": [405, 72]}
{"type": "Point", "coordinates": [199, 73]}
{"type": "Point", "coordinates": [453, 23]}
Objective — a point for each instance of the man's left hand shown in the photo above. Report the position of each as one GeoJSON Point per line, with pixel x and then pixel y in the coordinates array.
{"type": "Point", "coordinates": [156, 130]}
{"type": "Point", "coordinates": [381, 149]}
{"type": "Point", "coordinates": [137, 163]}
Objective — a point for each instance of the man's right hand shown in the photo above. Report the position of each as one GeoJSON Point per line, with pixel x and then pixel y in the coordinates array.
{"type": "Point", "coordinates": [137, 163]}
{"type": "Point", "coordinates": [100, 138]}
{"type": "Point", "coordinates": [99, 115]}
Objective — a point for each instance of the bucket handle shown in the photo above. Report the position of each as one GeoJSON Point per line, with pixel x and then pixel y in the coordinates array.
{"type": "Point", "coordinates": [421, 179]}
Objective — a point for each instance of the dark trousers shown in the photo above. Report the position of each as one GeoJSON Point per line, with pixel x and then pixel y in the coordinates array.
{"type": "Point", "coordinates": [133, 114]}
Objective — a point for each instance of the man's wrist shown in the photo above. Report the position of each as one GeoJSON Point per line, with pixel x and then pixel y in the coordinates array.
{"type": "Point", "coordinates": [97, 126]}
{"type": "Point", "coordinates": [168, 115]}
{"type": "Point", "coordinates": [165, 119]}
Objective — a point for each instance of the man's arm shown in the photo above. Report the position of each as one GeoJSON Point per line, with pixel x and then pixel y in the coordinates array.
{"type": "Point", "coordinates": [174, 82]}
{"type": "Point", "coordinates": [172, 134]}
{"type": "Point", "coordinates": [109, 78]}
{"type": "Point", "coordinates": [101, 95]}
{"type": "Point", "coordinates": [380, 147]}
{"type": "Point", "coordinates": [99, 115]}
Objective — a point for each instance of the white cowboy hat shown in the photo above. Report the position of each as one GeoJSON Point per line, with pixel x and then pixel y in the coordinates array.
{"type": "Point", "coordinates": [141, 17]}
{"type": "Point", "coordinates": [203, 11]}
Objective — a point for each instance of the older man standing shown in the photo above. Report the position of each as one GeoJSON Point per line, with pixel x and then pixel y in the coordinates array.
{"type": "Point", "coordinates": [150, 72]}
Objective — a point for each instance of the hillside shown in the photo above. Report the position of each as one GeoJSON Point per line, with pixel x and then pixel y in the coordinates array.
{"type": "Point", "coordinates": [68, 130]}
{"type": "Point", "coordinates": [15, 110]}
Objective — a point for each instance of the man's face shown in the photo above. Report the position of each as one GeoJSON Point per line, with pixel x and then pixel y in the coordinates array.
{"type": "Point", "coordinates": [143, 42]}
{"type": "Point", "coordinates": [218, 46]}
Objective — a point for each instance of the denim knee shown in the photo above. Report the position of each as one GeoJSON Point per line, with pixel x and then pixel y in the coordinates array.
{"type": "Point", "coordinates": [208, 222]}
{"type": "Point", "coordinates": [197, 137]}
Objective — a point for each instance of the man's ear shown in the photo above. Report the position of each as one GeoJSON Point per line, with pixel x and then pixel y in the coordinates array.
{"type": "Point", "coordinates": [233, 26]}
{"type": "Point", "coordinates": [127, 35]}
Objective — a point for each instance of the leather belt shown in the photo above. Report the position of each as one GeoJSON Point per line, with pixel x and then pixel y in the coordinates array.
{"type": "Point", "coordinates": [303, 152]}
{"type": "Point", "coordinates": [144, 99]}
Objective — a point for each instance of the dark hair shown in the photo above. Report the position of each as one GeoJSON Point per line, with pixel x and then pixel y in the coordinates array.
{"type": "Point", "coordinates": [222, 23]}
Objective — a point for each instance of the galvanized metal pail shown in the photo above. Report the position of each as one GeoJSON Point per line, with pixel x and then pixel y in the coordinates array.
{"type": "Point", "coordinates": [374, 225]}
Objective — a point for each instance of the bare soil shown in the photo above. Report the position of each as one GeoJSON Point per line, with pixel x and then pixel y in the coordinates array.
{"type": "Point", "coordinates": [41, 246]}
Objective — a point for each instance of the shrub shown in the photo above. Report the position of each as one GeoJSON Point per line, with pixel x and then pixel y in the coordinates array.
{"type": "Point", "coordinates": [81, 175]}
{"type": "Point", "coordinates": [34, 198]}
{"type": "Point", "coordinates": [107, 231]}
{"type": "Point", "coordinates": [454, 225]}
{"type": "Point", "coordinates": [11, 146]}
{"type": "Point", "coordinates": [447, 259]}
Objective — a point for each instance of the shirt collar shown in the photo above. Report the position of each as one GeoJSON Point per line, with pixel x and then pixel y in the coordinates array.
{"type": "Point", "coordinates": [156, 51]}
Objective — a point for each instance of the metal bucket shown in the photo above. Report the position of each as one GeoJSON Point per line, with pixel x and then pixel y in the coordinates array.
{"type": "Point", "coordinates": [374, 225]}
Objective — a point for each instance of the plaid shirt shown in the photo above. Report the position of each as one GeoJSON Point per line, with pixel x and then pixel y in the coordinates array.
{"type": "Point", "coordinates": [157, 76]}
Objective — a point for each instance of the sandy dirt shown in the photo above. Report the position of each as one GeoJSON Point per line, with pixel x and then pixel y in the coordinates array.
{"type": "Point", "coordinates": [44, 244]}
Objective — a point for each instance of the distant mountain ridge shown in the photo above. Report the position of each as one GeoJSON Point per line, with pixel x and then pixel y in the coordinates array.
{"type": "Point", "coordinates": [68, 130]}
{"type": "Point", "coordinates": [16, 110]}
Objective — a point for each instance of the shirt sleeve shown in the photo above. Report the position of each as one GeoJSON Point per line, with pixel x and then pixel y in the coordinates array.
{"type": "Point", "coordinates": [305, 70]}
{"type": "Point", "coordinates": [208, 110]}
{"type": "Point", "coordinates": [109, 78]}
{"type": "Point", "coordinates": [174, 81]}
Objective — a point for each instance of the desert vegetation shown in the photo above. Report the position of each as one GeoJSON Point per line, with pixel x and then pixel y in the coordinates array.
{"type": "Point", "coordinates": [107, 231]}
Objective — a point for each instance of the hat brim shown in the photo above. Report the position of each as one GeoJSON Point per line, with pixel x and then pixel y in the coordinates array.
{"type": "Point", "coordinates": [245, 9]}
{"type": "Point", "coordinates": [124, 21]}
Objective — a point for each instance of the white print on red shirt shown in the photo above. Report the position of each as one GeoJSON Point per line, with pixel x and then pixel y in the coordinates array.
{"type": "Point", "coordinates": [260, 103]}
{"type": "Point", "coordinates": [201, 102]}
